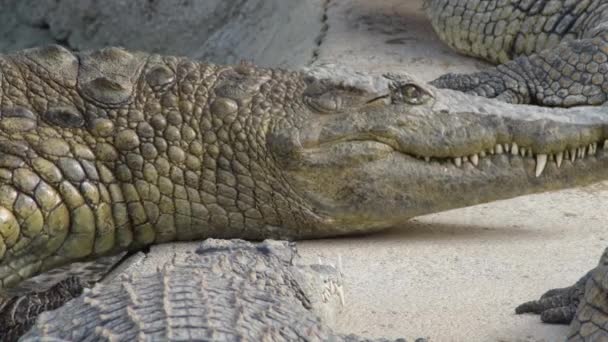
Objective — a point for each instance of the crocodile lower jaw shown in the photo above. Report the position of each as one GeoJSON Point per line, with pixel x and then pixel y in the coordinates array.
{"type": "Point", "coordinates": [514, 150]}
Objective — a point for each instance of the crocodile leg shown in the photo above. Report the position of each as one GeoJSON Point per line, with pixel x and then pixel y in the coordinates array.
{"type": "Point", "coordinates": [553, 53]}
{"type": "Point", "coordinates": [557, 305]}
{"type": "Point", "coordinates": [584, 305]}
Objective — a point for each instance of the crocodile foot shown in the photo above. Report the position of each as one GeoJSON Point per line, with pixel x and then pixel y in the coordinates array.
{"type": "Point", "coordinates": [499, 83]}
{"type": "Point", "coordinates": [557, 306]}
{"type": "Point", "coordinates": [584, 305]}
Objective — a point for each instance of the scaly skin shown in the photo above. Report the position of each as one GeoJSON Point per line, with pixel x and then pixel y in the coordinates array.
{"type": "Point", "coordinates": [110, 151]}
{"type": "Point", "coordinates": [224, 291]}
{"type": "Point", "coordinates": [554, 53]}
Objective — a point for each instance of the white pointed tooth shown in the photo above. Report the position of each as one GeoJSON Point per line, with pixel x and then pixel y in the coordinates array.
{"type": "Point", "coordinates": [541, 162]}
{"type": "Point", "coordinates": [559, 158]}
{"type": "Point", "coordinates": [499, 149]}
{"type": "Point", "coordinates": [580, 152]}
{"type": "Point", "coordinates": [465, 159]}
{"type": "Point", "coordinates": [482, 154]}
{"type": "Point", "coordinates": [474, 159]}
{"type": "Point", "coordinates": [522, 152]}
{"type": "Point", "coordinates": [491, 151]}
{"type": "Point", "coordinates": [606, 144]}
{"type": "Point", "coordinates": [572, 154]}
{"type": "Point", "coordinates": [458, 161]}
{"type": "Point", "coordinates": [593, 148]}
{"type": "Point", "coordinates": [427, 159]}
{"type": "Point", "coordinates": [506, 147]}
{"type": "Point", "coordinates": [514, 149]}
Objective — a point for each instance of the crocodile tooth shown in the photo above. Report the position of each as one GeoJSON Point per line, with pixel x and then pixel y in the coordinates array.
{"type": "Point", "coordinates": [491, 151]}
{"type": "Point", "coordinates": [514, 149]}
{"type": "Point", "coordinates": [606, 144]}
{"type": "Point", "coordinates": [474, 159]}
{"type": "Point", "coordinates": [572, 154]}
{"type": "Point", "coordinates": [482, 154]}
{"type": "Point", "coordinates": [506, 147]}
{"type": "Point", "coordinates": [559, 158]}
{"type": "Point", "coordinates": [522, 152]}
{"type": "Point", "coordinates": [458, 161]}
{"type": "Point", "coordinates": [541, 162]}
{"type": "Point", "coordinates": [580, 152]}
{"type": "Point", "coordinates": [499, 149]}
{"type": "Point", "coordinates": [465, 159]}
{"type": "Point", "coordinates": [593, 148]}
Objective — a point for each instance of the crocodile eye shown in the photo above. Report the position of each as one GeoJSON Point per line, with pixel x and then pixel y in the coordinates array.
{"type": "Point", "coordinates": [413, 94]}
{"type": "Point", "coordinates": [410, 93]}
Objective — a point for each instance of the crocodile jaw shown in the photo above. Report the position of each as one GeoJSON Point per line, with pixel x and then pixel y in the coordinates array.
{"type": "Point", "coordinates": [382, 166]}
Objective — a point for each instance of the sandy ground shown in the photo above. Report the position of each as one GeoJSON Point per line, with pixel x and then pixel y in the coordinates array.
{"type": "Point", "coordinates": [457, 275]}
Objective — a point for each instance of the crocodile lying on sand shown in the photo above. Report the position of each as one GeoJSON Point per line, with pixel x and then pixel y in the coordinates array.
{"type": "Point", "coordinates": [165, 149]}
{"type": "Point", "coordinates": [110, 151]}
{"type": "Point", "coordinates": [223, 291]}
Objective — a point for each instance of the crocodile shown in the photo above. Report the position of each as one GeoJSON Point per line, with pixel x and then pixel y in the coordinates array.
{"type": "Point", "coordinates": [108, 151]}
{"type": "Point", "coordinates": [550, 53]}
{"type": "Point", "coordinates": [222, 291]}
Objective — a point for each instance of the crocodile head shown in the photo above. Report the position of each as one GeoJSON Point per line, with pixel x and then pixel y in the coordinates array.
{"type": "Point", "coordinates": [376, 151]}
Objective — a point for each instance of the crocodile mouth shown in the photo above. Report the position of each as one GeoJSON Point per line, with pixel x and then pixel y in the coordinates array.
{"type": "Point", "coordinates": [514, 150]}
{"type": "Point", "coordinates": [352, 150]}
{"type": "Point", "coordinates": [375, 183]}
